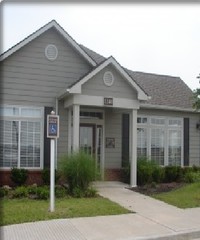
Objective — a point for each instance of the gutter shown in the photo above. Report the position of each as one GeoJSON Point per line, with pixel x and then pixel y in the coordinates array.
{"type": "Point", "coordinates": [164, 107]}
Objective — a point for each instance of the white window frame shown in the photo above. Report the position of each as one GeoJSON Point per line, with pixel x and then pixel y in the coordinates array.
{"type": "Point", "coordinates": [166, 128]}
{"type": "Point", "coordinates": [21, 118]}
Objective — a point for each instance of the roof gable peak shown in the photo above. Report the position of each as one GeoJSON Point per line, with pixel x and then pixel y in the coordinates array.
{"type": "Point", "coordinates": [40, 31]}
{"type": "Point", "coordinates": [76, 88]}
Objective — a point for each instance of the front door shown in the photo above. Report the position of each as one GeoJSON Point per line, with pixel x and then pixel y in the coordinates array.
{"type": "Point", "coordinates": [91, 141]}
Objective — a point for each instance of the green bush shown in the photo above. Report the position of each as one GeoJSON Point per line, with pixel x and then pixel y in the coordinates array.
{"type": "Point", "coordinates": [43, 192]}
{"type": "Point", "coordinates": [147, 170]}
{"type": "Point", "coordinates": [90, 192]}
{"type": "Point", "coordinates": [3, 192]}
{"type": "Point", "coordinates": [77, 192]}
{"type": "Point", "coordinates": [158, 174]}
{"type": "Point", "coordinates": [192, 177]}
{"type": "Point", "coordinates": [19, 176]}
{"type": "Point", "coordinates": [60, 191]}
{"type": "Point", "coordinates": [78, 170]}
{"type": "Point", "coordinates": [46, 176]}
{"type": "Point", "coordinates": [20, 192]}
{"type": "Point", "coordinates": [173, 174]}
{"type": "Point", "coordinates": [195, 168]}
{"type": "Point", "coordinates": [32, 189]}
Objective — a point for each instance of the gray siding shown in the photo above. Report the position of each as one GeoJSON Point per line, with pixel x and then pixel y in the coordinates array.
{"type": "Point", "coordinates": [62, 140]}
{"type": "Point", "coordinates": [194, 141]}
{"type": "Point", "coordinates": [113, 121]}
{"type": "Point", "coordinates": [31, 79]}
{"type": "Point", "coordinates": [120, 88]}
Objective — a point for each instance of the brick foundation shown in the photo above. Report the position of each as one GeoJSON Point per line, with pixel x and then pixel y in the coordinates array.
{"type": "Point", "coordinates": [33, 177]}
{"type": "Point", "coordinates": [113, 174]}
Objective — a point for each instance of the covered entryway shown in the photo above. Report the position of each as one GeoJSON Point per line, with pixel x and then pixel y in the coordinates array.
{"type": "Point", "coordinates": [95, 106]}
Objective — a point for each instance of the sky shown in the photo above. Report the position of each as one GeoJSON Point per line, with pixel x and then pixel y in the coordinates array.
{"type": "Point", "coordinates": [154, 38]}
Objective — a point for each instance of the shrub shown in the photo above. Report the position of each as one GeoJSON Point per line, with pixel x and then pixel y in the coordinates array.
{"type": "Point", "coordinates": [20, 192]}
{"type": "Point", "coordinates": [78, 192]}
{"type": "Point", "coordinates": [195, 168]}
{"type": "Point", "coordinates": [78, 169]}
{"type": "Point", "coordinates": [46, 176]}
{"type": "Point", "coordinates": [3, 192]}
{"type": "Point", "coordinates": [32, 189]}
{"type": "Point", "coordinates": [43, 193]}
{"type": "Point", "coordinates": [173, 174]}
{"type": "Point", "coordinates": [146, 171]}
{"type": "Point", "coordinates": [90, 192]}
{"type": "Point", "coordinates": [192, 177]}
{"type": "Point", "coordinates": [19, 176]}
{"type": "Point", "coordinates": [158, 174]}
{"type": "Point", "coordinates": [60, 191]}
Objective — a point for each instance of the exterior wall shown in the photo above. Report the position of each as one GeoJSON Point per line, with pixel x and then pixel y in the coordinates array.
{"type": "Point", "coordinates": [194, 140]}
{"type": "Point", "coordinates": [62, 140]}
{"type": "Point", "coordinates": [31, 79]}
{"type": "Point", "coordinates": [113, 121]}
{"type": "Point", "coordinates": [120, 88]}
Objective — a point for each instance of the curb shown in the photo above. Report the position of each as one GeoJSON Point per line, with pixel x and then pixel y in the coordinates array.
{"type": "Point", "coordinates": [178, 236]}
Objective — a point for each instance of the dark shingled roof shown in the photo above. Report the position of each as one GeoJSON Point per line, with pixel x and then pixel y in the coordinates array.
{"type": "Point", "coordinates": [164, 90]}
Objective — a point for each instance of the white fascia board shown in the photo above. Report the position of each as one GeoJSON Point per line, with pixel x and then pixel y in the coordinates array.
{"type": "Point", "coordinates": [42, 30]}
{"type": "Point", "coordinates": [98, 101]}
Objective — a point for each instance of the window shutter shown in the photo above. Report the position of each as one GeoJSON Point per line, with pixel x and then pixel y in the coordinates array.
{"type": "Point", "coordinates": [186, 141]}
{"type": "Point", "coordinates": [125, 139]}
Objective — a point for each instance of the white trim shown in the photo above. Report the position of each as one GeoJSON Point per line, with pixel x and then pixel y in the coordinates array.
{"type": "Point", "coordinates": [41, 31]}
{"type": "Point", "coordinates": [77, 87]}
{"type": "Point", "coordinates": [98, 101]}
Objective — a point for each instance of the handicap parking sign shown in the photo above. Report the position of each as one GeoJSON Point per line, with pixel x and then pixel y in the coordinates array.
{"type": "Point", "coordinates": [52, 126]}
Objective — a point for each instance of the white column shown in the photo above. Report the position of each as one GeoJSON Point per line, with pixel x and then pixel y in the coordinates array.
{"type": "Point", "coordinates": [76, 123]}
{"type": "Point", "coordinates": [133, 150]}
{"type": "Point", "coordinates": [69, 130]}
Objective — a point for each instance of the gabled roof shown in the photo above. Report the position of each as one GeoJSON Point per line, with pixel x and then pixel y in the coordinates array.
{"type": "Point", "coordinates": [52, 24]}
{"type": "Point", "coordinates": [167, 92]}
{"type": "Point", "coordinates": [76, 87]}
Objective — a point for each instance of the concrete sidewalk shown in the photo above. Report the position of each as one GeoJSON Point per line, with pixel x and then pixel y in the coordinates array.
{"type": "Point", "coordinates": [153, 220]}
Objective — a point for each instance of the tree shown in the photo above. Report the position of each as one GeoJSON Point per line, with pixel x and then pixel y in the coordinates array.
{"type": "Point", "coordinates": [196, 98]}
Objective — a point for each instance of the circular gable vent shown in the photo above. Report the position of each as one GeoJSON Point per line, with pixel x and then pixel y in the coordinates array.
{"type": "Point", "coordinates": [108, 79]}
{"type": "Point", "coordinates": [51, 52]}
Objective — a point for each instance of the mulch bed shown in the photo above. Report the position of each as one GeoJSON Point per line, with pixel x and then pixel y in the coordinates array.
{"type": "Point", "coordinates": [158, 188]}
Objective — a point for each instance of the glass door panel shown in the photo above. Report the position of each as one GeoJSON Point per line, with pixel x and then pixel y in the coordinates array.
{"type": "Point", "coordinates": [86, 139]}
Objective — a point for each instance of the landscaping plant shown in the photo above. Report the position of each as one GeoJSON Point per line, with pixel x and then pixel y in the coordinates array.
{"type": "Point", "coordinates": [79, 170]}
{"type": "Point", "coordinates": [19, 176]}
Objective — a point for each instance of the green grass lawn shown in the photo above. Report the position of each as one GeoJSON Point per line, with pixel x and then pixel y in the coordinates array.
{"type": "Point", "coordinates": [184, 197]}
{"type": "Point", "coordinates": [25, 210]}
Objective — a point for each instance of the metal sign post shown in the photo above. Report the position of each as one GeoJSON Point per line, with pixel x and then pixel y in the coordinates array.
{"type": "Point", "coordinates": [53, 133]}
